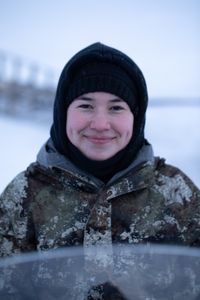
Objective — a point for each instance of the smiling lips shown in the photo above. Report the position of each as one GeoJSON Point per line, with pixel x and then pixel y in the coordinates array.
{"type": "Point", "coordinates": [99, 139]}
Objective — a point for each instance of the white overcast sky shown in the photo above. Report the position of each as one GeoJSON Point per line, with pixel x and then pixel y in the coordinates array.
{"type": "Point", "coordinates": [161, 36]}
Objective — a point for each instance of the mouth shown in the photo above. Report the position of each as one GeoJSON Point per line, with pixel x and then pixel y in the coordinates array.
{"type": "Point", "coordinates": [99, 140]}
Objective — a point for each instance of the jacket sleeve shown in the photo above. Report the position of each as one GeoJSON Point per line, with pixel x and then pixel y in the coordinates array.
{"type": "Point", "coordinates": [13, 221]}
{"type": "Point", "coordinates": [182, 198]}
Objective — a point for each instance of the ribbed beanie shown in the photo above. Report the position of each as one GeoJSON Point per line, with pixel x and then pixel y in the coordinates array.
{"type": "Point", "coordinates": [102, 76]}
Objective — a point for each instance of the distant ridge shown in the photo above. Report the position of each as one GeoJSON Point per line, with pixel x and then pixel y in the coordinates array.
{"type": "Point", "coordinates": [164, 101]}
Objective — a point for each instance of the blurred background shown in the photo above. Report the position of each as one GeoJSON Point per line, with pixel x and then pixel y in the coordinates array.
{"type": "Point", "coordinates": [38, 37]}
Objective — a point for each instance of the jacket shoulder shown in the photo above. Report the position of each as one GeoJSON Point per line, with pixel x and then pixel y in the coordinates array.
{"type": "Point", "coordinates": [18, 188]}
{"type": "Point", "coordinates": [15, 191]}
{"type": "Point", "coordinates": [170, 180]}
{"type": "Point", "coordinates": [170, 171]}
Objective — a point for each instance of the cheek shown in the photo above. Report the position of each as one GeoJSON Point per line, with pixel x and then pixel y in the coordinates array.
{"type": "Point", "coordinates": [75, 123]}
{"type": "Point", "coordinates": [125, 126]}
{"type": "Point", "coordinates": [70, 123]}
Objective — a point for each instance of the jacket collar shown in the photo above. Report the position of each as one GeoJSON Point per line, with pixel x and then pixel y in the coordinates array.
{"type": "Point", "coordinates": [138, 178]}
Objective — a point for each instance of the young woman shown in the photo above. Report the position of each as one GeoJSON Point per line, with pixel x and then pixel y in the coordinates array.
{"type": "Point", "coordinates": [96, 180]}
{"type": "Point", "coordinates": [97, 175]}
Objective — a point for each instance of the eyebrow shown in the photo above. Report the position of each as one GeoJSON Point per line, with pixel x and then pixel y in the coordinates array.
{"type": "Point", "coordinates": [92, 99]}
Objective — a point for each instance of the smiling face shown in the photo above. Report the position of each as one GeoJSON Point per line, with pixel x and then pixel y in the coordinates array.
{"type": "Point", "coordinates": [99, 124]}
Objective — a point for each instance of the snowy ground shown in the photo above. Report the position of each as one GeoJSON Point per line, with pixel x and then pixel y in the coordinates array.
{"type": "Point", "coordinates": [173, 131]}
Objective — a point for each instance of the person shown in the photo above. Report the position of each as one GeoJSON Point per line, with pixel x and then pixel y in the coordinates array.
{"type": "Point", "coordinates": [96, 180]}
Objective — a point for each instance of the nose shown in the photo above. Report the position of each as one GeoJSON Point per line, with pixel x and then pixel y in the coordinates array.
{"type": "Point", "coordinates": [100, 121]}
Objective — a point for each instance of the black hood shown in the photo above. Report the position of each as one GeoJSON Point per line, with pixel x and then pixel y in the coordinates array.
{"type": "Point", "coordinates": [103, 54]}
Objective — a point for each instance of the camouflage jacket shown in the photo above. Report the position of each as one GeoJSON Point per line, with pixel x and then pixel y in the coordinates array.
{"type": "Point", "coordinates": [50, 207]}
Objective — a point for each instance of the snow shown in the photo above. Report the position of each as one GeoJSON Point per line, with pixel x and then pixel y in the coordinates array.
{"type": "Point", "coordinates": [173, 132]}
{"type": "Point", "coordinates": [20, 142]}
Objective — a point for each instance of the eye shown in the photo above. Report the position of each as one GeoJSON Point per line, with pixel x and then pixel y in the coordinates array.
{"type": "Point", "coordinates": [116, 108]}
{"type": "Point", "coordinates": [85, 106]}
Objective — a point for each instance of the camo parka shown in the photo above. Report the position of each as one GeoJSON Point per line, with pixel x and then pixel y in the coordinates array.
{"type": "Point", "coordinates": [45, 208]}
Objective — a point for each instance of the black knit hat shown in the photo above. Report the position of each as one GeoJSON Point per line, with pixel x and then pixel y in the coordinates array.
{"type": "Point", "coordinates": [101, 68]}
{"type": "Point", "coordinates": [103, 76]}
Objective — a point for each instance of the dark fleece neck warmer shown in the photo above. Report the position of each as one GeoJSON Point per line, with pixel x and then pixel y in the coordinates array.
{"type": "Point", "coordinates": [122, 77]}
{"type": "Point", "coordinates": [104, 170]}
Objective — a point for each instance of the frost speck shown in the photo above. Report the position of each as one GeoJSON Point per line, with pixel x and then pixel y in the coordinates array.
{"type": "Point", "coordinates": [170, 191]}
